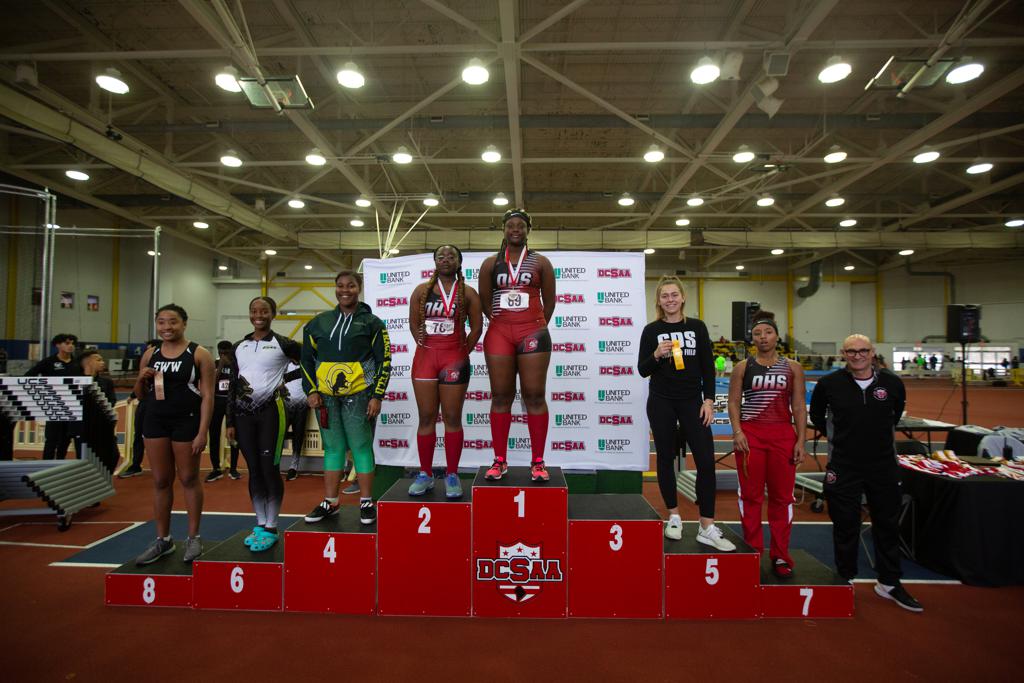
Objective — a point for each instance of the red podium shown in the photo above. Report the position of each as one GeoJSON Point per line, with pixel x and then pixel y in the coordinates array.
{"type": "Point", "coordinates": [424, 552]}
{"type": "Point", "coordinates": [615, 557]}
{"type": "Point", "coordinates": [331, 566]}
{"type": "Point", "coordinates": [230, 576]}
{"type": "Point", "coordinates": [814, 592]}
{"type": "Point", "coordinates": [165, 583]}
{"type": "Point", "coordinates": [520, 533]}
{"type": "Point", "coordinates": [702, 583]}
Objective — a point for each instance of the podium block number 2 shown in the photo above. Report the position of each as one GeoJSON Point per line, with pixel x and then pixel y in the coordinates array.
{"type": "Point", "coordinates": [237, 580]}
{"type": "Point", "coordinates": [424, 516]}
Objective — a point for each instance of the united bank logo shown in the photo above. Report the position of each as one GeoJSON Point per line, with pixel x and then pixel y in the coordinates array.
{"type": "Point", "coordinates": [614, 346]}
{"type": "Point", "coordinates": [401, 370]}
{"type": "Point", "coordinates": [576, 370]}
{"type": "Point", "coordinates": [571, 322]}
{"type": "Point", "coordinates": [393, 419]}
{"type": "Point", "coordinates": [397, 324]}
{"type": "Point", "coordinates": [613, 445]}
{"type": "Point", "coordinates": [571, 419]}
{"type": "Point", "coordinates": [519, 571]}
{"type": "Point", "coordinates": [612, 298]}
{"type": "Point", "coordinates": [471, 273]}
{"type": "Point", "coordinates": [395, 277]}
{"type": "Point", "coordinates": [519, 443]}
{"type": "Point", "coordinates": [479, 370]}
{"type": "Point", "coordinates": [484, 419]}
{"type": "Point", "coordinates": [570, 273]}
{"type": "Point", "coordinates": [614, 395]}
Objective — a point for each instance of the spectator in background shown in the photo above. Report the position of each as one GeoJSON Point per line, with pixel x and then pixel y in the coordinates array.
{"type": "Point", "coordinates": [61, 364]}
{"type": "Point", "coordinates": [720, 365]}
{"type": "Point", "coordinates": [94, 365]}
{"type": "Point", "coordinates": [1015, 363]}
{"type": "Point", "coordinates": [223, 370]}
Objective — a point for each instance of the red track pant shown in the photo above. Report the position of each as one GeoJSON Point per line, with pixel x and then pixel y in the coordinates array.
{"type": "Point", "coordinates": [770, 461]}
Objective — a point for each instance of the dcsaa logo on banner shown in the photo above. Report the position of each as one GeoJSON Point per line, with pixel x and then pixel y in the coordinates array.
{"type": "Point", "coordinates": [596, 399]}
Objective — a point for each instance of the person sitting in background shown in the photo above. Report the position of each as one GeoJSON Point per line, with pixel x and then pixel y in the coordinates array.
{"type": "Point", "coordinates": [61, 364]}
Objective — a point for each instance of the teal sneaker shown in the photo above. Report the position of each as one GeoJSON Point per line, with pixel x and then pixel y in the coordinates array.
{"type": "Point", "coordinates": [423, 483]}
{"type": "Point", "coordinates": [452, 486]}
{"type": "Point", "coordinates": [256, 531]}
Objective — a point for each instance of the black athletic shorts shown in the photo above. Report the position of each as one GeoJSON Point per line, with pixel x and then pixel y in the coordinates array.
{"type": "Point", "coordinates": [181, 427]}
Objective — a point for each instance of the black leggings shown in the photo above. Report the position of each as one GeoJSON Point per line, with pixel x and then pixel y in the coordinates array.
{"type": "Point", "coordinates": [260, 437]}
{"type": "Point", "coordinates": [220, 405]}
{"type": "Point", "coordinates": [664, 414]}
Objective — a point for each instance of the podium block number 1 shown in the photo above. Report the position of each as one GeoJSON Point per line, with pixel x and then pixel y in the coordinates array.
{"type": "Point", "coordinates": [520, 499]}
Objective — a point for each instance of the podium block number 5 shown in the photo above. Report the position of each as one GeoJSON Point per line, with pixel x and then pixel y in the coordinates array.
{"type": "Point", "coordinates": [237, 580]}
{"type": "Point", "coordinates": [711, 571]}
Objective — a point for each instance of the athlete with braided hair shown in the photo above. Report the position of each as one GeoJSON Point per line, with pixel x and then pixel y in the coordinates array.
{"type": "Point", "coordinates": [438, 312]}
{"type": "Point", "coordinates": [517, 289]}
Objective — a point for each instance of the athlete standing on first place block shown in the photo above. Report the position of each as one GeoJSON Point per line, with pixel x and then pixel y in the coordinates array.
{"type": "Point", "coordinates": [517, 290]}
{"type": "Point", "coordinates": [675, 352]}
{"type": "Point", "coordinates": [768, 413]}
{"type": "Point", "coordinates": [438, 311]}
{"type": "Point", "coordinates": [256, 416]}
{"type": "Point", "coordinates": [176, 380]}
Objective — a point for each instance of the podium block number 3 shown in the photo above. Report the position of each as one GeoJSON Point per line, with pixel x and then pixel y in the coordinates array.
{"type": "Point", "coordinates": [616, 541]}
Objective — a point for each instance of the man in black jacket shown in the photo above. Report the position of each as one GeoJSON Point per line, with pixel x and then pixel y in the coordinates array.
{"type": "Point", "coordinates": [858, 408]}
{"type": "Point", "coordinates": [60, 364]}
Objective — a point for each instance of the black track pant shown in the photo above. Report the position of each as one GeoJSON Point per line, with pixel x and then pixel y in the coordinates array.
{"type": "Point", "coordinates": [673, 421]}
{"type": "Point", "coordinates": [58, 436]}
{"type": "Point", "coordinates": [220, 405]}
{"type": "Point", "coordinates": [138, 444]}
{"type": "Point", "coordinates": [260, 437]}
{"type": "Point", "coordinates": [879, 481]}
{"type": "Point", "coordinates": [297, 415]}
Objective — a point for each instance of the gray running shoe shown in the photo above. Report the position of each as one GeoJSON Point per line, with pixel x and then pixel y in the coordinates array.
{"type": "Point", "coordinates": [452, 486]}
{"type": "Point", "coordinates": [193, 548]}
{"type": "Point", "coordinates": [155, 551]}
{"type": "Point", "coordinates": [423, 483]}
{"type": "Point", "coordinates": [352, 489]}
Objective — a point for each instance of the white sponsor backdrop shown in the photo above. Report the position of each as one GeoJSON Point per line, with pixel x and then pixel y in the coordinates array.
{"type": "Point", "coordinates": [596, 399]}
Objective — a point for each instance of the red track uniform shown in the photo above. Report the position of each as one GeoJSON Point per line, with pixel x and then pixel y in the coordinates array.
{"type": "Point", "coordinates": [443, 356]}
{"type": "Point", "coordinates": [767, 421]}
{"type": "Point", "coordinates": [517, 314]}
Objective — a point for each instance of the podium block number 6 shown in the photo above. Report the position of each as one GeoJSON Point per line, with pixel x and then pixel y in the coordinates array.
{"type": "Point", "coordinates": [237, 580]}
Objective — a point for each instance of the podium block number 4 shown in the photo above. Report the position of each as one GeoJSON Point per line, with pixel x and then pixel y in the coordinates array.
{"type": "Point", "coordinates": [424, 516]}
{"type": "Point", "coordinates": [616, 541]}
{"type": "Point", "coordinates": [149, 590]}
{"type": "Point", "coordinates": [237, 580]}
{"type": "Point", "coordinates": [806, 594]}
{"type": "Point", "coordinates": [711, 571]}
{"type": "Point", "coordinates": [330, 554]}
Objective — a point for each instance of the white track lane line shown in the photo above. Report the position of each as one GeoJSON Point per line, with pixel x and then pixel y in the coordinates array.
{"type": "Point", "coordinates": [43, 545]}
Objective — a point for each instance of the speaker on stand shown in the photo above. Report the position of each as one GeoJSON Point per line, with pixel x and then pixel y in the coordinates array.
{"type": "Point", "coordinates": [963, 325]}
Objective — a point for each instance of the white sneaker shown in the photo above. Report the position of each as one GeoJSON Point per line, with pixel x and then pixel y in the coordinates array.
{"type": "Point", "coordinates": [673, 530]}
{"type": "Point", "coordinates": [714, 537]}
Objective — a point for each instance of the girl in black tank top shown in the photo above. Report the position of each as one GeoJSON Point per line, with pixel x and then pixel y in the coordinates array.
{"type": "Point", "coordinates": [176, 381]}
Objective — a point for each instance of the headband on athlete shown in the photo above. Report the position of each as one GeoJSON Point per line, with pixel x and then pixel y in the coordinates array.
{"type": "Point", "coordinates": [766, 321]}
{"type": "Point", "coordinates": [511, 213]}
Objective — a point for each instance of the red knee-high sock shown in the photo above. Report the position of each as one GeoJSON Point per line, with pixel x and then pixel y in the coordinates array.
{"type": "Point", "coordinates": [538, 426]}
{"type": "Point", "coordinates": [425, 446]}
{"type": "Point", "coordinates": [453, 451]}
{"type": "Point", "coordinates": [501, 423]}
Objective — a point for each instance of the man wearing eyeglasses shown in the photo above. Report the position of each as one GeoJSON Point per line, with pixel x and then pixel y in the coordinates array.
{"type": "Point", "coordinates": [858, 407]}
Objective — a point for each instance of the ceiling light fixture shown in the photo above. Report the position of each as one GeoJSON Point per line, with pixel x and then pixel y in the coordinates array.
{"type": "Point", "coordinates": [500, 199]}
{"type": "Point", "coordinates": [308, 266]}
{"type": "Point", "coordinates": [682, 222]}
{"type": "Point", "coordinates": [847, 222]}
{"type": "Point", "coordinates": [979, 167]}
{"type": "Point", "coordinates": [765, 200]}
{"type": "Point", "coordinates": [740, 266]}
{"type": "Point", "coordinates": [227, 79]}
{"type": "Point", "coordinates": [350, 77]}
{"type": "Point", "coordinates": [475, 73]}
{"type": "Point", "coordinates": [834, 201]}
{"type": "Point", "coordinates": [705, 72]}
{"type": "Point", "coordinates": [315, 158]}
{"type": "Point", "coordinates": [835, 155]}
{"type": "Point", "coordinates": [200, 225]}
{"type": "Point", "coordinates": [356, 223]}
{"type": "Point", "coordinates": [231, 159]}
{"type": "Point", "coordinates": [966, 70]}
{"type": "Point", "coordinates": [836, 69]}
{"type": "Point", "coordinates": [363, 202]}
{"type": "Point", "coordinates": [296, 203]}
{"type": "Point", "coordinates": [778, 252]}
{"type": "Point", "coordinates": [222, 267]}
{"type": "Point", "coordinates": [848, 267]}
{"type": "Point", "coordinates": [626, 199]}
{"type": "Point", "coordinates": [743, 156]}
{"type": "Point", "coordinates": [695, 200]}
{"type": "Point", "coordinates": [1014, 223]}
{"type": "Point", "coordinates": [491, 155]}
{"type": "Point", "coordinates": [906, 252]}
{"type": "Point", "coordinates": [270, 252]}
{"type": "Point", "coordinates": [648, 251]}
{"type": "Point", "coordinates": [431, 200]}
{"type": "Point", "coordinates": [654, 154]}
{"type": "Point", "coordinates": [151, 253]}
{"type": "Point", "coordinates": [926, 156]}
{"type": "Point", "coordinates": [402, 156]}
{"type": "Point", "coordinates": [75, 174]}
{"type": "Point", "coordinates": [111, 81]}
{"type": "Point", "coordinates": [394, 251]}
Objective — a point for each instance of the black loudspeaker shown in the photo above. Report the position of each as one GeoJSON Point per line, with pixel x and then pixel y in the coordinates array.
{"type": "Point", "coordinates": [743, 318]}
{"type": "Point", "coordinates": [963, 323]}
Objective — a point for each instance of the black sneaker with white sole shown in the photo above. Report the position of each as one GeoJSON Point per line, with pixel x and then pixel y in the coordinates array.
{"type": "Point", "coordinates": [367, 512]}
{"type": "Point", "coordinates": [322, 511]}
{"type": "Point", "coordinates": [899, 595]}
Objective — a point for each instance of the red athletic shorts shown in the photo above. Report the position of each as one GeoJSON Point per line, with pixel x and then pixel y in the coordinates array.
{"type": "Point", "coordinates": [447, 366]}
{"type": "Point", "coordinates": [514, 339]}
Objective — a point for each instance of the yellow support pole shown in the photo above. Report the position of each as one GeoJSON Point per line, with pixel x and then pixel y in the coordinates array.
{"type": "Point", "coordinates": [789, 305]}
{"type": "Point", "coordinates": [879, 310]}
{"type": "Point", "coordinates": [700, 298]}
{"type": "Point", "coordinates": [115, 288]}
{"type": "Point", "coordinates": [12, 272]}
{"type": "Point", "coordinates": [266, 277]}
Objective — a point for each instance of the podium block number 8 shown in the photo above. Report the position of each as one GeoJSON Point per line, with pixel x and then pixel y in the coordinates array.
{"type": "Point", "coordinates": [237, 580]}
{"type": "Point", "coordinates": [149, 590]}
{"type": "Point", "coordinates": [520, 499]}
{"type": "Point", "coordinates": [424, 515]}
{"type": "Point", "coordinates": [616, 542]}
{"type": "Point", "coordinates": [711, 571]}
